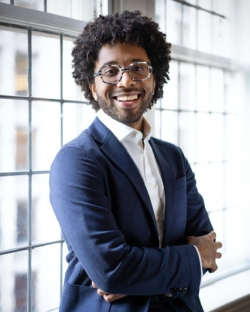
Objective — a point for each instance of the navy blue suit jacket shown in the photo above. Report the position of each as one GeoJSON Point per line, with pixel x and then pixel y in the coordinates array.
{"type": "Point", "coordinates": [108, 223]}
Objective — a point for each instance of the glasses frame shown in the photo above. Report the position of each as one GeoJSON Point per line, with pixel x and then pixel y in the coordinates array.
{"type": "Point", "coordinates": [123, 70]}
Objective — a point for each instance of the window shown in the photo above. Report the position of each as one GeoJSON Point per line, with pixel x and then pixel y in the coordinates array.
{"type": "Point", "coordinates": [200, 113]}
{"type": "Point", "coordinates": [41, 108]}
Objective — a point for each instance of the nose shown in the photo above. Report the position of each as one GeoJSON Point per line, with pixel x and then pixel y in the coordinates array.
{"type": "Point", "coordinates": [126, 80]}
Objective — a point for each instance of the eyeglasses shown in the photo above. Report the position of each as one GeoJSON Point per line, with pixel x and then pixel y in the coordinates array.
{"type": "Point", "coordinates": [112, 73]}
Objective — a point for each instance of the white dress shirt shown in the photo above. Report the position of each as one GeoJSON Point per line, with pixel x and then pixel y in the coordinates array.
{"type": "Point", "coordinates": [137, 145]}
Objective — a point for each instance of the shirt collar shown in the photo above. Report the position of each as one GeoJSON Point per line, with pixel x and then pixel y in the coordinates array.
{"type": "Point", "coordinates": [122, 131]}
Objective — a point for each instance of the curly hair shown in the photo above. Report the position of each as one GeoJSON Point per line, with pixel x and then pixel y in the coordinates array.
{"type": "Point", "coordinates": [125, 27]}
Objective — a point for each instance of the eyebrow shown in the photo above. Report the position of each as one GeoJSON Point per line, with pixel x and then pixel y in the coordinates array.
{"type": "Point", "coordinates": [116, 63]}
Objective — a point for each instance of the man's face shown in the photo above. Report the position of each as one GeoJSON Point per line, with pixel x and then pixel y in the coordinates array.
{"type": "Point", "coordinates": [127, 100]}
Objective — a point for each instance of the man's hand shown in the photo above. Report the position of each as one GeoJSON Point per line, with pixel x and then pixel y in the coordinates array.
{"type": "Point", "coordinates": [107, 297]}
{"type": "Point", "coordinates": [207, 248]}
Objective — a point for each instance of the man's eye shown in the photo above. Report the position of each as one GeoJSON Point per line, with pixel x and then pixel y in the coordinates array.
{"type": "Point", "coordinates": [137, 68]}
{"type": "Point", "coordinates": [110, 71]}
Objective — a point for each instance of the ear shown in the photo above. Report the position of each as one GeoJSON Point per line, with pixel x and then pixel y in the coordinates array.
{"type": "Point", "coordinates": [93, 90]}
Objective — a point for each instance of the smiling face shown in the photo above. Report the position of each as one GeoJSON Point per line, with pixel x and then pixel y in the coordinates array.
{"type": "Point", "coordinates": [127, 100]}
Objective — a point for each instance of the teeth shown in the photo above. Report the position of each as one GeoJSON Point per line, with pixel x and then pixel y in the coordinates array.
{"type": "Point", "coordinates": [127, 98]}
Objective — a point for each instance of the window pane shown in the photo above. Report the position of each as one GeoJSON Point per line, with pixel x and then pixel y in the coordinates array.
{"type": "Point", "coordinates": [217, 137]}
{"type": "Point", "coordinates": [170, 97]}
{"type": "Point", "coordinates": [46, 268]}
{"type": "Point", "coordinates": [160, 9]}
{"type": "Point", "coordinates": [70, 89]}
{"type": "Point", "coordinates": [187, 86]}
{"type": "Point", "coordinates": [45, 65]}
{"type": "Point", "coordinates": [76, 118]}
{"type": "Point", "coordinates": [77, 9]}
{"type": "Point", "coordinates": [44, 224]}
{"type": "Point", "coordinates": [205, 4]}
{"type": "Point", "coordinates": [233, 137]}
{"type": "Point", "coordinates": [189, 27]}
{"type": "Point", "coordinates": [13, 211]}
{"type": "Point", "coordinates": [217, 90]}
{"type": "Point", "coordinates": [187, 134]}
{"type": "Point", "coordinates": [235, 219]}
{"type": "Point", "coordinates": [204, 31]}
{"type": "Point", "coordinates": [13, 135]}
{"type": "Point", "coordinates": [215, 200]}
{"type": "Point", "coordinates": [46, 133]}
{"type": "Point", "coordinates": [202, 88]}
{"type": "Point", "coordinates": [31, 4]}
{"type": "Point", "coordinates": [169, 126]}
{"type": "Point", "coordinates": [202, 137]}
{"type": "Point", "coordinates": [173, 22]}
{"type": "Point", "coordinates": [13, 61]}
{"type": "Point", "coordinates": [13, 286]}
{"type": "Point", "coordinates": [202, 180]}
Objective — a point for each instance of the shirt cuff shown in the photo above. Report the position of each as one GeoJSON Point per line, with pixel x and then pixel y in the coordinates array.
{"type": "Point", "coordinates": [200, 261]}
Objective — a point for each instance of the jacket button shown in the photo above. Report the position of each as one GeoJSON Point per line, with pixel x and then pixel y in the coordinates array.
{"type": "Point", "coordinates": [184, 290]}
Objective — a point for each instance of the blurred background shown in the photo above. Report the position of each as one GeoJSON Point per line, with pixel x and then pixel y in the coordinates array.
{"type": "Point", "coordinates": [205, 110]}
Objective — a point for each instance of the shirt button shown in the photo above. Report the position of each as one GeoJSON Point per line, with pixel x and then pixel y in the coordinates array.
{"type": "Point", "coordinates": [138, 135]}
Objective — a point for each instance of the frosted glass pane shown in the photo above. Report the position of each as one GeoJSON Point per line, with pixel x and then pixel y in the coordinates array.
{"type": "Point", "coordinates": [157, 124]}
{"type": "Point", "coordinates": [204, 32]}
{"type": "Point", "coordinates": [217, 137]}
{"type": "Point", "coordinates": [13, 135]}
{"type": "Point", "coordinates": [43, 216]}
{"type": "Point", "coordinates": [236, 227]}
{"type": "Point", "coordinates": [234, 141]}
{"type": "Point", "coordinates": [215, 200]}
{"type": "Point", "coordinates": [217, 90]}
{"type": "Point", "coordinates": [202, 88]}
{"type": "Point", "coordinates": [169, 123]}
{"type": "Point", "coordinates": [218, 222]}
{"type": "Point", "coordinates": [187, 86]}
{"type": "Point", "coordinates": [70, 89]}
{"type": "Point", "coordinates": [45, 65]}
{"type": "Point", "coordinates": [76, 118]}
{"type": "Point", "coordinates": [46, 267]}
{"type": "Point", "coordinates": [233, 185]}
{"type": "Point", "coordinates": [173, 22]}
{"type": "Point", "coordinates": [202, 137]}
{"type": "Point", "coordinates": [160, 9]}
{"type": "Point", "coordinates": [13, 61]}
{"type": "Point", "coordinates": [170, 96]}
{"type": "Point", "coordinates": [202, 180]}
{"type": "Point", "coordinates": [205, 4]}
{"type": "Point", "coordinates": [189, 27]}
{"type": "Point", "coordinates": [46, 133]}
{"type": "Point", "coordinates": [13, 212]}
{"type": "Point", "coordinates": [187, 135]}
{"type": "Point", "coordinates": [78, 9]}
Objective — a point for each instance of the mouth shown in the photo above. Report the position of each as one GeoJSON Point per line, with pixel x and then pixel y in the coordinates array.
{"type": "Point", "coordinates": [125, 98]}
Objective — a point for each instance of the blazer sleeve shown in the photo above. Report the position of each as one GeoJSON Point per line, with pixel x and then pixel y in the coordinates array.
{"type": "Point", "coordinates": [78, 194]}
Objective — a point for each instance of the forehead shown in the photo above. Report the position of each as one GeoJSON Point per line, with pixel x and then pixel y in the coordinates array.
{"type": "Point", "coordinates": [121, 53]}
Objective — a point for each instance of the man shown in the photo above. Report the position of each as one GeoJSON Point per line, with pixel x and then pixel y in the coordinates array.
{"type": "Point", "coordinates": [135, 225]}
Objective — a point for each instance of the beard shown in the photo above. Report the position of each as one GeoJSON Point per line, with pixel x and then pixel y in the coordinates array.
{"type": "Point", "coordinates": [126, 116]}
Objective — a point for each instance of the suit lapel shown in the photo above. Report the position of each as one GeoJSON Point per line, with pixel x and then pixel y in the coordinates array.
{"type": "Point", "coordinates": [168, 179]}
{"type": "Point", "coordinates": [117, 154]}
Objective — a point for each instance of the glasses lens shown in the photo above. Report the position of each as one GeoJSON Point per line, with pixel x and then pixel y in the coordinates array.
{"type": "Point", "coordinates": [139, 71]}
{"type": "Point", "coordinates": [110, 73]}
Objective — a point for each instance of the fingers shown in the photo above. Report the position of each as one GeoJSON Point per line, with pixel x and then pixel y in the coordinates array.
{"type": "Point", "coordinates": [208, 249]}
{"type": "Point", "coordinates": [107, 297]}
{"type": "Point", "coordinates": [212, 235]}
